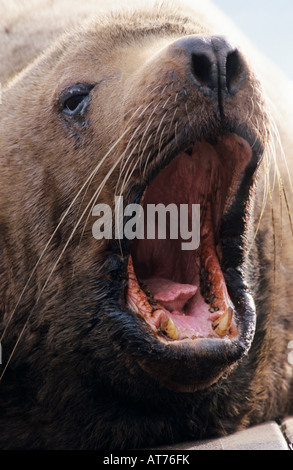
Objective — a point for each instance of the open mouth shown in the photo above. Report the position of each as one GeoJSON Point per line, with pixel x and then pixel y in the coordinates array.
{"type": "Point", "coordinates": [184, 295]}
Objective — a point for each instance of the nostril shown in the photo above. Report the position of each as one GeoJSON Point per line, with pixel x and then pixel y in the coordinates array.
{"type": "Point", "coordinates": [234, 69]}
{"type": "Point", "coordinates": [217, 67]}
{"type": "Point", "coordinates": [201, 68]}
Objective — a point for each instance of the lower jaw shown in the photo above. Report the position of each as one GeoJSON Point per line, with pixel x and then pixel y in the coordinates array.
{"type": "Point", "coordinates": [195, 362]}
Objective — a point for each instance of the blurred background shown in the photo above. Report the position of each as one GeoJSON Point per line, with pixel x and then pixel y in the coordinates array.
{"type": "Point", "coordinates": [268, 24]}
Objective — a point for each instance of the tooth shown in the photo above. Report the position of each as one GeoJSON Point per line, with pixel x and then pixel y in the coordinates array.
{"type": "Point", "coordinates": [169, 327]}
{"type": "Point", "coordinates": [223, 324]}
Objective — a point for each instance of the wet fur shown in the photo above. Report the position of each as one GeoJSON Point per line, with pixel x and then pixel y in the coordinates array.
{"type": "Point", "coordinates": [72, 381]}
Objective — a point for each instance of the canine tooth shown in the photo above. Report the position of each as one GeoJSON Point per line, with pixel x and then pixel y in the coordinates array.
{"type": "Point", "coordinates": [169, 327]}
{"type": "Point", "coordinates": [223, 324]}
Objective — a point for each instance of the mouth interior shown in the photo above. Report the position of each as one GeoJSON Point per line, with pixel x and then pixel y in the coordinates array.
{"type": "Point", "coordinates": [182, 294]}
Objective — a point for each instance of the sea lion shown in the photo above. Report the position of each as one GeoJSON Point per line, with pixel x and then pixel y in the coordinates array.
{"type": "Point", "coordinates": [119, 343]}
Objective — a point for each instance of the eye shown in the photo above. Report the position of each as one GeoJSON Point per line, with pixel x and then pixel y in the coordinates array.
{"type": "Point", "coordinates": [74, 100]}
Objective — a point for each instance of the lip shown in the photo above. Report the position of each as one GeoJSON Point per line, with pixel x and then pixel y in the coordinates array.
{"type": "Point", "coordinates": [194, 362]}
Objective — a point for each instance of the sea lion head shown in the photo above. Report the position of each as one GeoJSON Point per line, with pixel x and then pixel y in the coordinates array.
{"type": "Point", "coordinates": [157, 109]}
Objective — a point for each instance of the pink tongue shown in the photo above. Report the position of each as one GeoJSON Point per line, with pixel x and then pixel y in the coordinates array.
{"type": "Point", "coordinates": [170, 295]}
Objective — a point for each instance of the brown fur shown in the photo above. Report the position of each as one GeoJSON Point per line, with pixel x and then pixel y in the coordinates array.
{"type": "Point", "coordinates": [75, 366]}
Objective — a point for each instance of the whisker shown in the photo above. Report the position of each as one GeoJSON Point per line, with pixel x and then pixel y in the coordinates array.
{"type": "Point", "coordinates": [288, 208]}
{"type": "Point", "coordinates": [101, 186]}
{"type": "Point", "coordinates": [67, 211]}
{"type": "Point", "coordinates": [55, 265]}
{"type": "Point", "coordinates": [188, 116]}
{"type": "Point", "coordinates": [57, 228]}
{"type": "Point", "coordinates": [124, 153]}
{"type": "Point", "coordinates": [274, 236]}
{"type": "Point", "coordinates": [146, 163]}
{"type": "Point", "coordinates": [160, 124]}
{"type": "Point", "coordinates": [145, 147]}
{"type": "Point", "coordinates": [160, 141]}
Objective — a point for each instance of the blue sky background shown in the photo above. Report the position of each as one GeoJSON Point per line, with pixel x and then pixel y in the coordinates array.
{"type": "Point", "coordinates": [269, 24]}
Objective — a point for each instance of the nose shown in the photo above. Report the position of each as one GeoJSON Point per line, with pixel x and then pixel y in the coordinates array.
{"type": "Point", "coordinates": [214, 64]}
